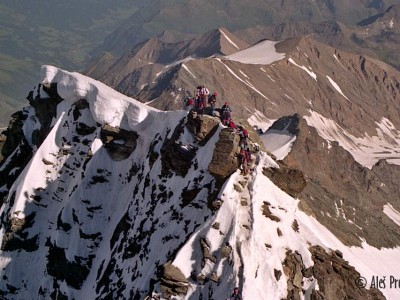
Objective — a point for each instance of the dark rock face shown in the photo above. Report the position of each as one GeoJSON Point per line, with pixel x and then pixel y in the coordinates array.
{"type": "Point", "coordinates": [189, 195]}
{"type": "Point", "coordinates": [390, 175]}
{"type": "Point", "coordinates": [73, 273]}
{"type": "Point", "coordinates": [173, 282]}
{"type": "Point", "coordinates": [3, 139]}
{"type": "Point", "coordinates": [11, 140]}
{"type": "Point", "coordinates": [14, 134]}
{"type": "Point", "coordinates": [46, 108]}
{"type": "Point", "coordinates": [289, 123]}
{"type": "Point", "coordinates": [176, 156]}
{"type": "Point", "coordinates": [337, 186]}
{"type": "Point", "coordinates": [336, 278]}
{"type": "Point", "coordinates": [119, 143]}
{"type": "Point", "coordinates": [225, 162]}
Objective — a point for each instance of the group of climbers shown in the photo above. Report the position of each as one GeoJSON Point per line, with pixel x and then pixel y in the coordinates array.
{"type": "Point", "coordinates": [245, 154]}
{"type": "Point", "coordinates": [204, 99]}
{"type": "Point", "coordinates": [236, 295]}
{"type": "Point", "coordinates": [199, 103]}
{"type": "Point", "coordinates": [201, 100]}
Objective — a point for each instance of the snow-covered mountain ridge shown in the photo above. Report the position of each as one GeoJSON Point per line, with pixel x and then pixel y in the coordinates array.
{"type": "Point", "coordinates": [104, 210]}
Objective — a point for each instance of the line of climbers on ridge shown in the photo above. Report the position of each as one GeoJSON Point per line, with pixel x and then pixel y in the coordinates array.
{"type": "Point", "coordinates": [199, 103]}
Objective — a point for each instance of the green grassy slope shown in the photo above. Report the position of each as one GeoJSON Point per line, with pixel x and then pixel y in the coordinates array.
{"type": "Point", "coordinates": [33, 33]}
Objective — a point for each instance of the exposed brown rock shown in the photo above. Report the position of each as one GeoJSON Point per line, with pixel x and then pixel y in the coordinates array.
{"type": "Point", "coordinates": [173, 282]}
{"type": "Point", "coordinates": [267, 212]}
{"type": "Point", "coordinates": [189, 195]}
{"type": "Point", "coordinates": [238, 188]}
{"type": "Point", "coordinates": [278, 232]}
{"type": "Point", "coordinates": [215, 225]}
{"type": "Point", "coordinates": [277, 274]}
{"type": "Point", "coordinates": [293, 267]}
{"type": "Point", "coordinates": [206, 251]}
{"type": "Point", "coordinates": [15, 239]}
{"type": "Point", "coordinates": [216, 204]}
{"type": "Point", "coordinates": [46, 162]}
{"type": "Point", "coordinates": [226, 251]}
{"type": "Point", "coordinates": [336, 278]}
{"type": "Point", "coordinates": [202, 126]}
{"type": "Point", "coordinates": [214, 277]}
{"type": "Point", "coordinates": [295, 225]}
{"type": "Point", "coordinates": [290, 180]}
{"type": "Point", "coordinates": [11, 139]}
{"type": "Point", "coordinates": [225, 162]}
{"type": "Point", "coordinates": [74, 273]}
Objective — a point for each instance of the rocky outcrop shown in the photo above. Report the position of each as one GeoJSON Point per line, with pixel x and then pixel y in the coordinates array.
{"type": "Point", "coordinates": [15, 239]}
{"type": "Point", "coordinates": [335, 277]}
{"type": "Point", "coordinates": [205, 249]}
{"type": "Point", "coordinates": [202, 126]}
{"type": "Point", "coordinates": [173, 282]}
{"type": "Point", "coordinates": [293, 268]}
{"type": "Point", "coordinates": [267, 212]}
{"type": "Point", "coordinates": [224, 161]}
{"type": "Point", "coordinates": [291, 181]}
{"type": "Point", "coordinates": [118, 142]}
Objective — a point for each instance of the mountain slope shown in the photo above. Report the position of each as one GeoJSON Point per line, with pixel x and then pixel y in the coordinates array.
{"type": "Point", "coordinates": [119, 201]}
{"type": "Point", "coordinates": [341, 86]}
{"type": "Point", "coordinates": [153, 57]}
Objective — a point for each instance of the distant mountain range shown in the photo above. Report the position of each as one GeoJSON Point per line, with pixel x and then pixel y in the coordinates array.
{"type": "Point", "coordinates": [198, 16]}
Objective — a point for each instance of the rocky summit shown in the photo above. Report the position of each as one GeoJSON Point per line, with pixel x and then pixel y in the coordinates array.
{"type": "Point", "coordinates": [105, 196]}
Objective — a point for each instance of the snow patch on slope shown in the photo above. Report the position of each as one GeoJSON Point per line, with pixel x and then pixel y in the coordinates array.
{"type": "Point", "coordinates": [392, 213]}
{"type": "Point", "coordinates": [228, 39]}
{"type": "Point", "coordinates": [187, 69]}
{"type": "Point", "coordinates": [336, 86]}
{"type": "Point", "coordinates": [259, 121]}
{"type": "Point", "coordinates": [278, 142]}
{"type": "Point", "coordinates": [246, 82]}
{"type": "Point", "coordinates": [366, 150]}
{"type": "Point", "coordinates": [311, 73]}
{"type": "Point", "coordinates": [263, 53]}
